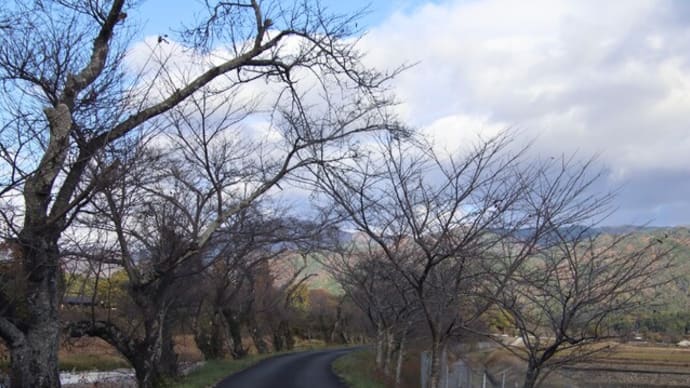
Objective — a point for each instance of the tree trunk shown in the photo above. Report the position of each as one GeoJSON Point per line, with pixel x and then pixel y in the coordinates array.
{"type": "Point", "coordinates": [278, 344]}
{"type": "Point", "coordinates": [257, 337]}
{"type": "Point", "coordinates": [389, 339]}
{"type": "Point", "coordinates": [400, 357]}
{"type": "Point", "coordinates": [256, 333]}
{"type": "Point", "coordinates": [379, 346]}
{"type": "Point", "coordinates": [154, 366]}
{"type": "Point", "coordinates": [435, 368]}
{"type": "Point", "coordinates": [208, 336]}
{"type": "Point", "coordinates": [147, 371]}
{"type": "Point", "coordinates": [336, 324]}
{"type": "Point", "coordinates": [156, 352]}
{"type": "Point", "coordinates": [282, 337]}
{"type": "Point", "coordinates": [34, 353]}
{"type": "Point", "coordinates": [167, 364]}
{"type": "Point", "coordinates": [345, 338]}
{"type": "Point", "coordinates": [287, 335]}
{"type": "Point", "coordinates": [34, 360]}
{"type": "Point", "coordinates": [278, 340]}
{"type": "Point", "coordinates": [324, 328]}
{"type": "Point", "coordinates": [531, 376]}
{"type": "Point", "coordinates": [234, 334]}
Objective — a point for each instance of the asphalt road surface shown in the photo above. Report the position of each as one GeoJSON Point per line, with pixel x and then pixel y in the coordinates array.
{"type": "Point", "coordinates": [297, 370]}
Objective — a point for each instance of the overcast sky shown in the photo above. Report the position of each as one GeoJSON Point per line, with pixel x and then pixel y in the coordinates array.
{"type": "Point", "coordinates": [606, 78]}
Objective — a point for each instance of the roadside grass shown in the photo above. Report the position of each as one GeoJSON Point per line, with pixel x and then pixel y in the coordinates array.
{"type": "Point", "coordinates": [358, 371]}
{"type": "Point", "coordinates": [215, 370]}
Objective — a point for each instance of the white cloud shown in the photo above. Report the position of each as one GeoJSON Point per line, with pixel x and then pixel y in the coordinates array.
{"type": "Point", "coordinates": [453, 132]}
{"type": "Point", "coordinates": [599, 77]}
{"type": "Point", "coordinates": [606, 78]}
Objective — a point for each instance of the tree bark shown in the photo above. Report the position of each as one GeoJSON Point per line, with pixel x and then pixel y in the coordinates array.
{"type": "Point", "coordinates": [400, 357]}
{"type": "Point", "coordinates": [153, 365]}
{"type": "Point", "coordinates": [34, 347]}
{"type": "Point", "coordinates": [282, 337]}
{"type": "Point", "coordinates": [531, 376]}
{"type": "Point", "coordinates": [435, 368]}
{"type": "Point", "coordinates": [257, 336]}
{"type": "Point", "coordinates": [208, 336]}
{"type": "Point", "coordinates": [33, 362]}
{"type": "Point", "coordinates": [389, 340]}
{"type": "Point", "coordinates": [379, 346]}
{"type": "Point", "coordinates": [286, 332]}
{"type": "Point", "coordinates": [234, 334]}
{"type": "Point", "coordinates": [168, 359]}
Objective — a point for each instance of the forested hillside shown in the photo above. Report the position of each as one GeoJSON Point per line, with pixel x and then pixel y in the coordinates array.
{"type": "Point", "coordinates": [668, 317]}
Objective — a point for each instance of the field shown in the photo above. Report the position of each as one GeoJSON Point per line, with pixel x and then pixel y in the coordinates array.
{"type": "Point", "coordinates": [618, 365]}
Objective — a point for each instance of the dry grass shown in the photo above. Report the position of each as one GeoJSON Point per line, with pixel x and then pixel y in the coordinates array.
{"type": "Point", "coordinates": [89, 353]}
{"type": "Point", "coordinates": [186, 349]}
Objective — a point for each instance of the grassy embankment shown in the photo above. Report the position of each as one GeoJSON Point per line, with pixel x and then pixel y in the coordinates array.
{"type": "Point", "coordinates": [356, 369]}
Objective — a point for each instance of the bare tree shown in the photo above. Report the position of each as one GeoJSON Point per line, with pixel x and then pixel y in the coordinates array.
{"type": "Point", "coordinates": [374, 286]}
{"type": "Point", "coordinates": [433, 219]}
{"type": "Point", "coordinates": [67, 95]}
{"type": "Point", "coordinates": [561, 301]}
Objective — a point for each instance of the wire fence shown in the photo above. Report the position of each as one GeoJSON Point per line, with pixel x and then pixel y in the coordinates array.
{"type": "Point", "coordinates": [459, 374]}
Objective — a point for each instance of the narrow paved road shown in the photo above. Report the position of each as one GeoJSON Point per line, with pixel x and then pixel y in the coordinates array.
{"type": "Point", "coordinates": [298, 370]}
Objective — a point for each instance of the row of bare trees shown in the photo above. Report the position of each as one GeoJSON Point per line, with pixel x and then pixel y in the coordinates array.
{"type": "Point", "coordinates": [148, 160]}
{"type": "Point", "coordinates": [444, 238]}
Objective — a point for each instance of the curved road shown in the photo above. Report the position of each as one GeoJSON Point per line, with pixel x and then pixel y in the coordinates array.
{"type": "Point", "coordinates": [295, 370]}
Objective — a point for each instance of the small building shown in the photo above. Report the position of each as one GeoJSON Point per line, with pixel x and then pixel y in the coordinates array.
{"type": "Point", "coordinates": [79, 301]}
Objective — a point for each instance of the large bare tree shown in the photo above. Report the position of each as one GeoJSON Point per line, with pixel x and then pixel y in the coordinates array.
{"type": "Point", "coordinates": [68, 95]}
{"type": "Point", "coordinates": [432, 219]}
